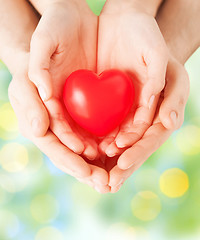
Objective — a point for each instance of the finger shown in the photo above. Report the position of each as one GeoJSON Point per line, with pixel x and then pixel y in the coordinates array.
{"type": "Point", "coordinates": [155, 136]}
{"type": "Point", "coordinates": [117, 176]}
{"type": "Point", "coordinates": [41, 49]}
{"type": "Point", "coordinates": [107, 141]}
{"type": "Point", "coordinates": [28, 106]}
{"type": "Point", "coordinates": [175, 97]}
{"type": "Point", "coordinates": [91, 148]}
{"type": "Point", "coordinates": [61, 156]}
{"type": "Point", "coordinates": [91, 151]}
{"type": "Point", "coordinates": [61, 128]}
{"type": "Point", "coordinates": [99, 188]}
{"type": "Point", "coordinates": [102, 189]}
{"type": "Point", "coordinates": [99, 176]}
{"type": "Point", "coordinates": [115, 189]}
{"type": "Point", "coordinates": [130, 132]}
{"type": "Point", "coordinates": [112, 150]}
{"type": "Point", "coordinates": [156, 64]}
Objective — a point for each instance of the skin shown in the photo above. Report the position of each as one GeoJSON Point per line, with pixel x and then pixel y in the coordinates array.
{"type": "Point", "coordinates": [22, 88]}
{"type": "Point", "coordinates": [156, 134]}
{"type": "Point", "coordinates": [182, 38]}
{"type": "Point", "coordinates": [151, 140]}
{"type": "Point", "coordinates": [136, 46]}
{"type": "Point", "coordinates": [70, 47]}
{"type": "Point", "coordinates": [43, 72]}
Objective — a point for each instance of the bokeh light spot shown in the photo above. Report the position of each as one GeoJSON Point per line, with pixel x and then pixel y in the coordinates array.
{"type": "Point", "coordinates": [188, 140]}
{"type": "Point", "coordinates": [44, 208]}
{"type": "Point", "coordinates": [174, 182]}
{"type": "Point", "coordinates": [14, 182]}
{"type": "Point", "coordinates": [49, 233]}
{"type": "Point", "coordinates": [8, 122]}
{"type": "Point", "coordinates": [145, 205]}
{"type": "Point", "coordinates": [13, 157]}
{"type": "Point", "coordinates": [9, 226]}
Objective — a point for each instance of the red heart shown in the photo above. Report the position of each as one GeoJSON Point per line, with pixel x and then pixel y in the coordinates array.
{"type": "Point", "coordinates": [98, 103]}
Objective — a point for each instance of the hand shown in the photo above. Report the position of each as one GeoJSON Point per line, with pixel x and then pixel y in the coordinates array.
{"type": "Point", "coordinates": [174, 96]}
{"type": "Point", "coordinates": [130, 40]}
{"type": "Point", "coordinates": [23, 94]}
{"type": "Point", "coordinates": [64, 41]}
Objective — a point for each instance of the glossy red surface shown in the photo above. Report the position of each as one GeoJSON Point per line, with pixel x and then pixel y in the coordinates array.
{"type": "Point", "coordinates": [98, 103]}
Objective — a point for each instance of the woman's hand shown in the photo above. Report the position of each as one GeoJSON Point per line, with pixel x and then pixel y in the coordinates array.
{"type": "Point", "coordinates": [64, 41]}
{"type": "Point", "coordinates": [130, 40]}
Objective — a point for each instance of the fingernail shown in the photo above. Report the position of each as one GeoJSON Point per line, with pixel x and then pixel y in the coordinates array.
{"type": "Point", "coordinates": [110, 154]}
{"type": "Point", "coordinates": [42, 93]}
{"type": "Point", "coordinates": [173, 117]}
{"type": "Point", "coordinates": [151, 100]}
{"type": "Point", "coordinates": [120, 143]}
{"type": "Point", "coordinates": [35, 124]}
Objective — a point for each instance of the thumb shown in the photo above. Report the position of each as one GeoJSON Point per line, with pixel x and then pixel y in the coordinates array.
{"type": "Point", "coordinates": [156, 71]}
{"type": "Point", "coordinates": [175, 97]}
{"type": "Point", "coordinates": [41, 50]}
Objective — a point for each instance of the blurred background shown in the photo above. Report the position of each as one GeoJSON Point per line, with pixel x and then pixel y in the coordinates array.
{"type": "Point", "coordinates": [160, 201]}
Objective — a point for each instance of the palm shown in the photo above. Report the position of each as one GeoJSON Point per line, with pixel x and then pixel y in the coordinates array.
{"type": "Point", "coordinates": [71, 36]}
{"type": "Point", "coordinates": [132, 40]}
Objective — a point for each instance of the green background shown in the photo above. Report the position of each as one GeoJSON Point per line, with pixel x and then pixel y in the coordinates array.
{"type": "Point", "coordinates": [160, 201]}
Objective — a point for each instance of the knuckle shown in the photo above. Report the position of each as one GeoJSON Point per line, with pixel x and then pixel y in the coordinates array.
{"type": "Point", "coordinates": [181, 101]}
{"type": "Point", "coordinates": [37, 36]}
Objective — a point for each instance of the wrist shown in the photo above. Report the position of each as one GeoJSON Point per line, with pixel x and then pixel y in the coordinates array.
{"type": "Point", "coordinates": [149, 7]}
{"type": "Point", "coordinates": [178, 22]}
{"type": "Point", "coordinates": [16, 60]}
{"type": "Point", "coordinates": [42, 5]}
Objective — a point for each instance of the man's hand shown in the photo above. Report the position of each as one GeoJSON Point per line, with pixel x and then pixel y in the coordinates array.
{"type": "Point", "coordinates": [175, 96]}
{"type": "Point", "coordinates": [28, 106]}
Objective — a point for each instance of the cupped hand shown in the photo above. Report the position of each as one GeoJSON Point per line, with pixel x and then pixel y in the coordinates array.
{"type": "Point", "coordinates": [64, 41]}
{"type": "Point", "coordinates": [28, 106]}
{"type": "Point", "coordinates": [131, 41]}
{"type": "Point", "coordinates": [174, 96]}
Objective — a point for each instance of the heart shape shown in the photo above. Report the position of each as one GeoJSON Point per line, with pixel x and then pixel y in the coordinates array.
{"type": "Point", "coordinates": [98, 103]}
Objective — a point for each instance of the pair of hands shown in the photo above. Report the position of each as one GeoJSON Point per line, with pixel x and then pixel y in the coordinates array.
{"type": "Point", "coordinates": [66, 40]}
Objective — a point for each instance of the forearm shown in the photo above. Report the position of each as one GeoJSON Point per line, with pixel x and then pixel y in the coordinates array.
{"type": "Point", "coordinates": [17, 21]}
{"type": "Point", "coordinates": [41, 5]}
{"type": "Point", "coordinates": [147, 6]}
{"type": "Point", "coordinates": [179, 22]}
